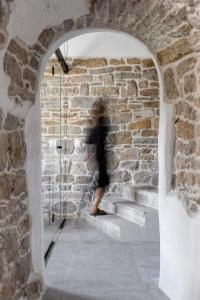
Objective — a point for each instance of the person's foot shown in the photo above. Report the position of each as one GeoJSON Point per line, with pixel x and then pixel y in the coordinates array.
{"type": "Point", "coordinates": [99, 212]}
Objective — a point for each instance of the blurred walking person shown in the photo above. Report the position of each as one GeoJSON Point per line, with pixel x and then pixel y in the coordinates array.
{"type": "Point", "coordinates": [97, 136]}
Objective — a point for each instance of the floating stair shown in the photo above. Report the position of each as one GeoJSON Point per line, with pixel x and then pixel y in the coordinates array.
{"type": "Point", "coordinates": [133, 218]}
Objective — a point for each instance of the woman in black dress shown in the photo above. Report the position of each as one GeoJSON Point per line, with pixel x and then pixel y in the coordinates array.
{"type": "Point", "coordinates": [97, 136]}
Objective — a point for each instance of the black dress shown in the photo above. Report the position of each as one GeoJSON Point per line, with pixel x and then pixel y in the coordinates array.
{"type": "Point", "coordinates": [97, 136]}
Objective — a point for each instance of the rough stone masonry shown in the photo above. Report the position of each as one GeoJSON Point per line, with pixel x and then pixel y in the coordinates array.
{"type": "Point", "coordinates": [130, 88]}
{"type": "Point", "coordinates": [171, 29]}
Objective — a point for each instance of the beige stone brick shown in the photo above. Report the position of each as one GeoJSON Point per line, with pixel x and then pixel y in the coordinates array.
{"type": "Point", "coordinates": [116, 61]}
{"type": "Point", "coordinates": [133, 61]}
{"type": "Point", "coordinates": [185, 130]}
{"type": "Point", "coordinates": [170, 85]}
{"type": "Point", "coordinates": [149, 92]}
{"type": "Point", "coordinates": [185, 66]}
{"type": "Point", "coordinates": [140, 124]}
{"type": "Point", "coordinates": [148, 63]}
{"type": "Point", "coordinates": [104, 91]}
{"type": "Point", "coordinates": [174, 52]}
{"type": "Point", "coordinates": [90, 62]}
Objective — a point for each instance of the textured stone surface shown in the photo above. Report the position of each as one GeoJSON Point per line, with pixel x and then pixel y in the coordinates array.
{"type": "Point", "coordinates": [18, 50]}
{"type": "Point", "coordinates": [174, 52]}
{"type": "Point", "coordinates": [90, 62]}
{"type": "Point", "coordinates": [140, 124]}
{"type": "Point", "coordinates": [120, 138]}
{"type": "Point", "coordinates": [166, 29]}
{"type": "Point", "coordinates": [46, 37]}
{"type": "Point", "coordinates": [190, 84]}
{"type": "Point", "coordinates": [170, 85]}
{"type": "Point", "coordinates": [185, 66]}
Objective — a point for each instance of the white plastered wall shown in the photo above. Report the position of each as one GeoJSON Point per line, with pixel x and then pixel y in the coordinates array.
{"type": "Point", "coordinates": [180, 244]}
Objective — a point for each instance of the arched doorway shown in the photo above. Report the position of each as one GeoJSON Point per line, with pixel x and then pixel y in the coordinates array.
{"type": "Point", "coordinates": [118, 66]}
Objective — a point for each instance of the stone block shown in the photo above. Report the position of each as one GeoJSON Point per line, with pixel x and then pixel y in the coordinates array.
{"type": "Point", "coordinates": [123, 137]}
{"type": "Point", "coordinates": [68, 24]}
{"type": "Point", "coordinates": [142, 177]}
{"type": "Point", "coordinates": [129, 154]}
{"type": "Point", "coordinates": [107, 79]}
{"type": "Point", "coordinates": [6, 186]}
{"type": "Point", "coordinates": [25, 245]}
{"type": "Point", "coordinates": [133, 61]}
{"type": "Point", "coordinates": [140, 124]}
{"type": "Point", "coordinates": [46, 37]}
{"type": "Point", "coordinates": [24, 225]}
{"type": "Point", "coordinates": [30, 76]}
{"type": "Point", "coordinates": [185, 130]}
{"type": "Point", "coordinates": [84, 89]}
{"type": "Point", "coordinates": [174, 52]}
{"type": "Point", "coordinates": [104, 91]}
{"type": "Point", "coordinates": [185, 110]}
{"type": "Point", "coordinates": [154, 84]}
{"type": "Point", "coordinates": [148, 133]}
{"type": "Point", "coordinates": [2, 39]}
{"type": "Point", "coordinates": [116, 61]}
{"type": "Point", "coordinates": [149, 92]}
{"type": "Point", "coordinates": [130, 165]}
{"type": "Point", "coordinates": [121, 118]}
{"type": "Point", "coordinates": [80, 79]}
{"type": "Point", "coordinates": [72, 91]}
{"type": "Point", "coordinates": [140, 141]}
{"type": "Point", "coordinates": [23, 93]}
{"type": "Point", "coordinates": [66, 178]}
{"type": "Point", "coordinates": [83, 179]}
{"type": "Point", "coordinates": [185, 66]}
{"type": "Point", "coordinates": [170, 85]}
{"type": "Point", "coordinates": [132, 89]}
{"type": "Point", "coordinates": [4, 145]}
{"type": "Point", "coordinates": [19, 182]}
{"type": "Point", "coordinates": [143, 84]}
{"type": "Point", "coordinates": [104, 70]}
{"type": "Point", "coordinates": [148, 63]}
{"type": "Point", "coordinates": [112, 160]}
{"type": "Point", "coordinates": [12, 122]}
{"type": "Point", "coordinates": [190, 84]}
{"type": "Point", "coordinates": [23, 268]}
{"type": "Point", "coordinates": [11, 245]}
{"type": "Point", "coordinates": [76, 71]}
{"type": "Point", "coordinates": [121, 176]}
{"type": "Point", "coordinates": [150, 74]}
{"type": "Point", "coordinates": [34, 63]}
{"type": "Point", "coordinates": [124, 69]}
{"type": "Point", "coordinates": [90, 62]}
{"type": "Point", "coordinates": [143, 113]}
{"type": "Point", "coordinates": [18, 50]}
{"type": "Point", "coordinates": [151, 104]}
{"type": "Point", "coordinates": [12, 69]}
{"type": "Point", "coordinates": [78, 169]}
{"type": "Point", "coordinates": [34, 287]}
{"type": "Point", "coordinates": [127, 76]}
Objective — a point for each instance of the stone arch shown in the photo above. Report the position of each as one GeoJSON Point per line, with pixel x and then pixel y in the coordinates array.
{"type": "Point", "coordinates": [176, 47]}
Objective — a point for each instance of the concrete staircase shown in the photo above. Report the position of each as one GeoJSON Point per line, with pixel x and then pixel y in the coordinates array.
{"type": "Point", "coordinates": [132, 218]}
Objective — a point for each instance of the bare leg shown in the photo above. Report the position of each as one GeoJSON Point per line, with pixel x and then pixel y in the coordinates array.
{"type": "Point", "coordinates": [98, 196]}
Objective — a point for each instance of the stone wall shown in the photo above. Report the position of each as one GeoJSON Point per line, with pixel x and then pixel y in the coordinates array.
{"type": "Point", "coordinates": [130, 89]}
{"type": "Point", "coordinates": [171, 29]}
{"type": "Point", "coordinates": [15, 256]}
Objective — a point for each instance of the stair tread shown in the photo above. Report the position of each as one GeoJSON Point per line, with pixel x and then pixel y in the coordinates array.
{"type": "Point", "coordinates": [114, 220]}
{"type": "Point", "coordinates": [137, 207]}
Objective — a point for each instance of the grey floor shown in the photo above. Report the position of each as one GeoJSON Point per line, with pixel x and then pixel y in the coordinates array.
{"type": "Point", "coordinates": [86, 264]}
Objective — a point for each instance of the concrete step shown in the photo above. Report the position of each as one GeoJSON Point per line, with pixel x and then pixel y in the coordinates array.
{"type": "Point", "coordinates": [120, 229]}
{"type": "Point", "coordinates": [145, 195]}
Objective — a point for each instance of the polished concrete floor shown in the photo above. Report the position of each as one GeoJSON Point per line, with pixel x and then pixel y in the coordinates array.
{"type": "Point", "coordinates": [85, 264]}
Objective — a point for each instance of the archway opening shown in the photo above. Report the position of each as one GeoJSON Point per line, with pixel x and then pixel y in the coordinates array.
{"type": "Point", "coordinates": [128, 81]}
